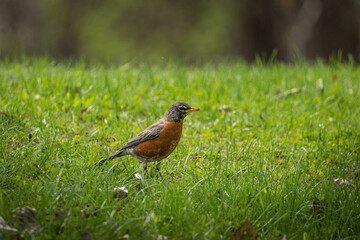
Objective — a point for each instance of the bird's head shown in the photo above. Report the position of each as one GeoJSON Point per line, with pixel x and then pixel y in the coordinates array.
{"type": "Point", "coordinates": [178, 111]}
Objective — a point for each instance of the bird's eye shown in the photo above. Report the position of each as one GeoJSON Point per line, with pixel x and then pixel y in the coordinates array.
{"type": "Point", "coordinates": [182, 108]}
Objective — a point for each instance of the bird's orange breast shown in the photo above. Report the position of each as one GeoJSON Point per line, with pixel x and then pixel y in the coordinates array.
{"type": "Point", "coordinates": [162, 146]}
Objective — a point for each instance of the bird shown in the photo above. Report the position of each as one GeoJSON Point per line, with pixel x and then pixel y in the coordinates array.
{"type": "Point", "coordinates": [158, 140]}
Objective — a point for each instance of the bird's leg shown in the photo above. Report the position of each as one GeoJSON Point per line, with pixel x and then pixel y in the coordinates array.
{"type": "Point", "coordinates": [158, 168]}
{"type": "Point", "coordinates": [145, 168]}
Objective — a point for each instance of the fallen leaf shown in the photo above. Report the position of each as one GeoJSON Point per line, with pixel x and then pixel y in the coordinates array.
{"type": "Point", "coordinates": [26, 219]}
{"type": "Point", "coordinates": [245, 232]}
{"type": "Point", "coordinates": [120, 192]}
{"type": "Point", "coordinates": [292, 91]}
{"type": "Point", "coordinates": [126, 236]}
{"type": "Point", "coordinates": [6, 229]}
{"type": "Point", "coordinates": [288, 92]}
{"type": "Point", "coordinates": [340, 182]}
{"type": "Point", "coordinates": [138, 176]}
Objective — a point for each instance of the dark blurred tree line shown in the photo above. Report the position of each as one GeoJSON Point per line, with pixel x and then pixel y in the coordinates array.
{"type": "Point", "coordinates": [116, 30]}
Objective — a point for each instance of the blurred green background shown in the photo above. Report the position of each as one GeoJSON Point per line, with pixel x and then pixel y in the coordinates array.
{"type": "Point", "coordinates": [119, 30]}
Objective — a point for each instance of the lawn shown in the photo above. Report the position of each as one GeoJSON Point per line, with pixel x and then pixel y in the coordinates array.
{"type": "Point", "coordinates": [277, 144]}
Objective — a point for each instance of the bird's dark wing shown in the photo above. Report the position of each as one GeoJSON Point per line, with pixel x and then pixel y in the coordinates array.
{"type": "Point", "coordinates": [149, 133]}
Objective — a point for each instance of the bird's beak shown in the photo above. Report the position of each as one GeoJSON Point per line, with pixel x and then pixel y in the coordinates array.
{"type": "Point", "coordinates": [192, 109]}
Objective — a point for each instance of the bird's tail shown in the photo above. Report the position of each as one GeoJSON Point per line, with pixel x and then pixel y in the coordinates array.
{"type": "Point", "coordinates": [119, 153]}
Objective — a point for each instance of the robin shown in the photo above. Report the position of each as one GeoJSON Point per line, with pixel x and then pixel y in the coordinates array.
{"type": "Point", "coordinates": [158, 140]}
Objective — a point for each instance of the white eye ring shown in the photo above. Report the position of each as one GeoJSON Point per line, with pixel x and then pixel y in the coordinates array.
{"type": "Point", "coordinates": [181, 108]}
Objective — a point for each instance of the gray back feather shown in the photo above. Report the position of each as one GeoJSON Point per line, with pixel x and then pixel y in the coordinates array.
{"type": "Point", "coordinates": [149, 133]}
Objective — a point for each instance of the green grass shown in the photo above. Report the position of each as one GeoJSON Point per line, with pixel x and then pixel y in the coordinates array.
{"type": "Point", "coordinates": [251, 152]}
